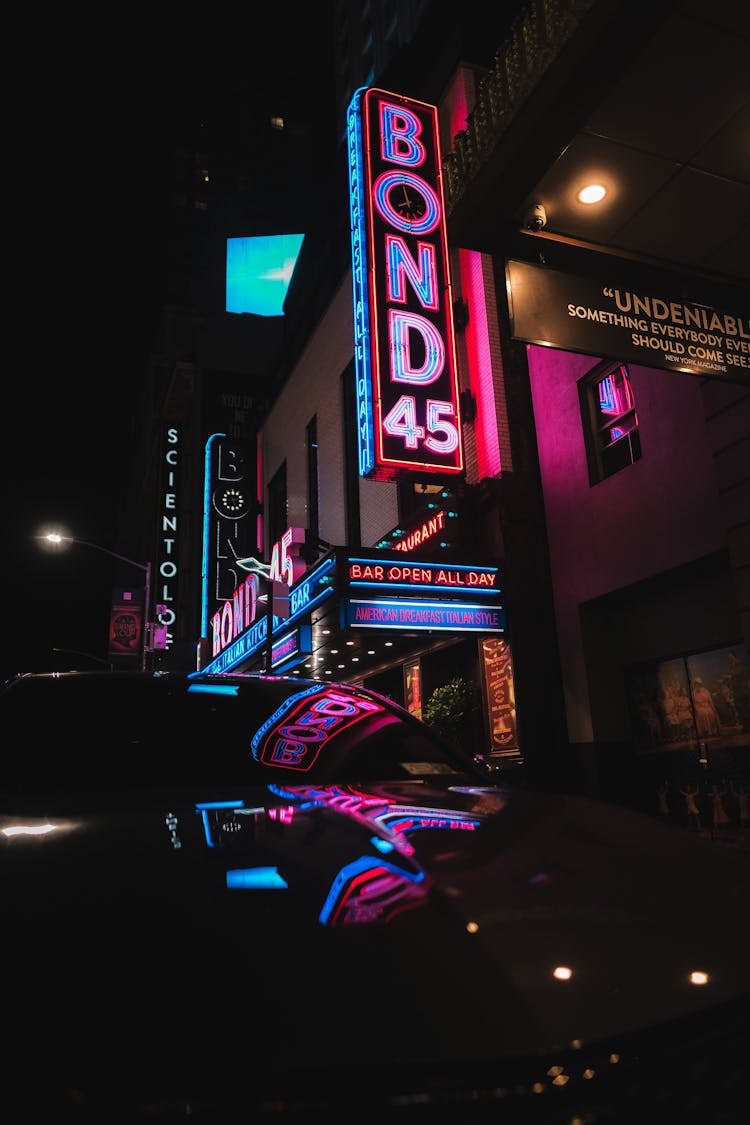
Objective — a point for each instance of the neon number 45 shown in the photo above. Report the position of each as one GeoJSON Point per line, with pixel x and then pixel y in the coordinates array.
{"type": "Point", "coordinates": [401, 422]}
{"type": "Point", "coordinates": [286, 565]}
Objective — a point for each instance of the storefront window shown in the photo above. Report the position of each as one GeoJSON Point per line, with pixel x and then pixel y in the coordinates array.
{"type": "Point", "coordinates": [691, 725]}
{"type": "Point", "coordinates": [610, 421]}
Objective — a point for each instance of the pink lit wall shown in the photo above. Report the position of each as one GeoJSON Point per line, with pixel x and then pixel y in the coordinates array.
{"type": "Point", "coordinates": [457, 102]}
{"type": "Point", "coordinates": [487, 439]}
{"type": "Point", "coordinates": [657, 514]}
{"type": "Point", "coordinates": [482, 359]}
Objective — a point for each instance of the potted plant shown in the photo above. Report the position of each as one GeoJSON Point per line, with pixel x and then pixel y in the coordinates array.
{"type": "Point", "coordinates": [450, 711]}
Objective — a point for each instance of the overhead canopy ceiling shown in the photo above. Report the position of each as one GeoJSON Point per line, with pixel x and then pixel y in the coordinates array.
{"type": "Point", "coordinates": [656, 111]}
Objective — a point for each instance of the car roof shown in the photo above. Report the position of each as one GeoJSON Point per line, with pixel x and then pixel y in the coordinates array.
{"type": "Point", "coordinates": [101, 730]}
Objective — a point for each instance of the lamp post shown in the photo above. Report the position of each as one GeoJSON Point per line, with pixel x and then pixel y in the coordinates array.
{"type": "Point", "coordinates": [56, 539]}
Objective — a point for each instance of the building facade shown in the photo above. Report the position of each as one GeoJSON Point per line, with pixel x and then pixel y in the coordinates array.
{"type": "Point", "coordinates": [602, 369]}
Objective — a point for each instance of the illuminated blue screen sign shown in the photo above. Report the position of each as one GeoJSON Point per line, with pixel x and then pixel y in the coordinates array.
{"type": "Point", "coordinates": [259, 271]}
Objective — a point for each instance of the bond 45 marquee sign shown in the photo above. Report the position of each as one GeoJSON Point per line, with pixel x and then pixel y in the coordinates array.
{"type": "Point", "coordinates": [407, 386]}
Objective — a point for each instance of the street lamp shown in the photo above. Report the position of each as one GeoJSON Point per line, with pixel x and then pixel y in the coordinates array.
{"type": "Point", "coordinates": [56, 539]}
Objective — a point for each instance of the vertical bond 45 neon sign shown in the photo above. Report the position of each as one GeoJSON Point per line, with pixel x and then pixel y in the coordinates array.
{"type": "Point", "coordinates": [407, 388]}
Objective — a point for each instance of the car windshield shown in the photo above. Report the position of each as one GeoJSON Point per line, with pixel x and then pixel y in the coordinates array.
{"type": "Point", "coordinates": [72, 732]}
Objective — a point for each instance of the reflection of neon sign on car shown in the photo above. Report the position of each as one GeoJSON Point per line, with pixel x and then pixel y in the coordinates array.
{"type": "Point", "coordinates": [298, 730]}
{"type": "Point", "coordinates": [368, 891]}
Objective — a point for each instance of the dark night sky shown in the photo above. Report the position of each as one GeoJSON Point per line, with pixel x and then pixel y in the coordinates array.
{"type": "Point", "coordinates": [92, 180]}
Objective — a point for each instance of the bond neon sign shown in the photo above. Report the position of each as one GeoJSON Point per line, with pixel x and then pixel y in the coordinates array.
{"type": "Point", "coordinates": [226, 505]}
{"type": "Point", "coordinates": [236, 615]}
{"type": "Point", "coordinates": [407, 386]}
{"type": "Point", "coordinates": [237, 633]}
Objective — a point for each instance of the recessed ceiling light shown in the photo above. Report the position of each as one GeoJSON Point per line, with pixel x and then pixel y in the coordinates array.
{"type": "Point", "coordinates": [592, 193]}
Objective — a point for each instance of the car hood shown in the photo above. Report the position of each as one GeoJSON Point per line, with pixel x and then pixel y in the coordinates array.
{"type": "Point", "coordinates": [398, 922]}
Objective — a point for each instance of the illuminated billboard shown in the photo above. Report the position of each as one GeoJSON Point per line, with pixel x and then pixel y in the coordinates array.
{"type": "Point", "coordinates": [258, 272]}
{"type": "Point", "coordinates": [407, 385]}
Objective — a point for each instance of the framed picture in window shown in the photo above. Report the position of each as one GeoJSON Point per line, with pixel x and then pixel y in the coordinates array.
{"type": "Point", "coordinates": [698, 702]}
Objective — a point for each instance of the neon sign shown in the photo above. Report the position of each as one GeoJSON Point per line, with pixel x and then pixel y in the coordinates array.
{"type": "Point", "coordinates": [244, 647]}
{"type": "Point", "coordinates": [236, 615]}
{"type": "Point", "coordinates": [382, 613]}
{"type": "Point", "coordinates": [427, 530]}
{"type": "Point", "coordinates": [226, 504]}
{"type": "Point", "coordinates": [423, 576]}
{"type": "Point", "coordinates": [232, 645]}
{"type": "Point", "coordinates": [240, 609]}
{"type": "Point", "coordinates": [291, 649]}
{"type": "Point", "coordinates": [287, 565]}
{"type": "Point", "coordinates": [167, 589]}
{"type": "Point", "coordinates": [407, 385]}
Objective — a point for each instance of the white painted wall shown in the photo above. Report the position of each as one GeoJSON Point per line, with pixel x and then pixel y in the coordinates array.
{"type": "Point", "coordinates": [314, 388]}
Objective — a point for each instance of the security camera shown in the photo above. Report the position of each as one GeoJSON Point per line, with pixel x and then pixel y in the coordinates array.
{"type": "Point", "coordinates": [535, 218]}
